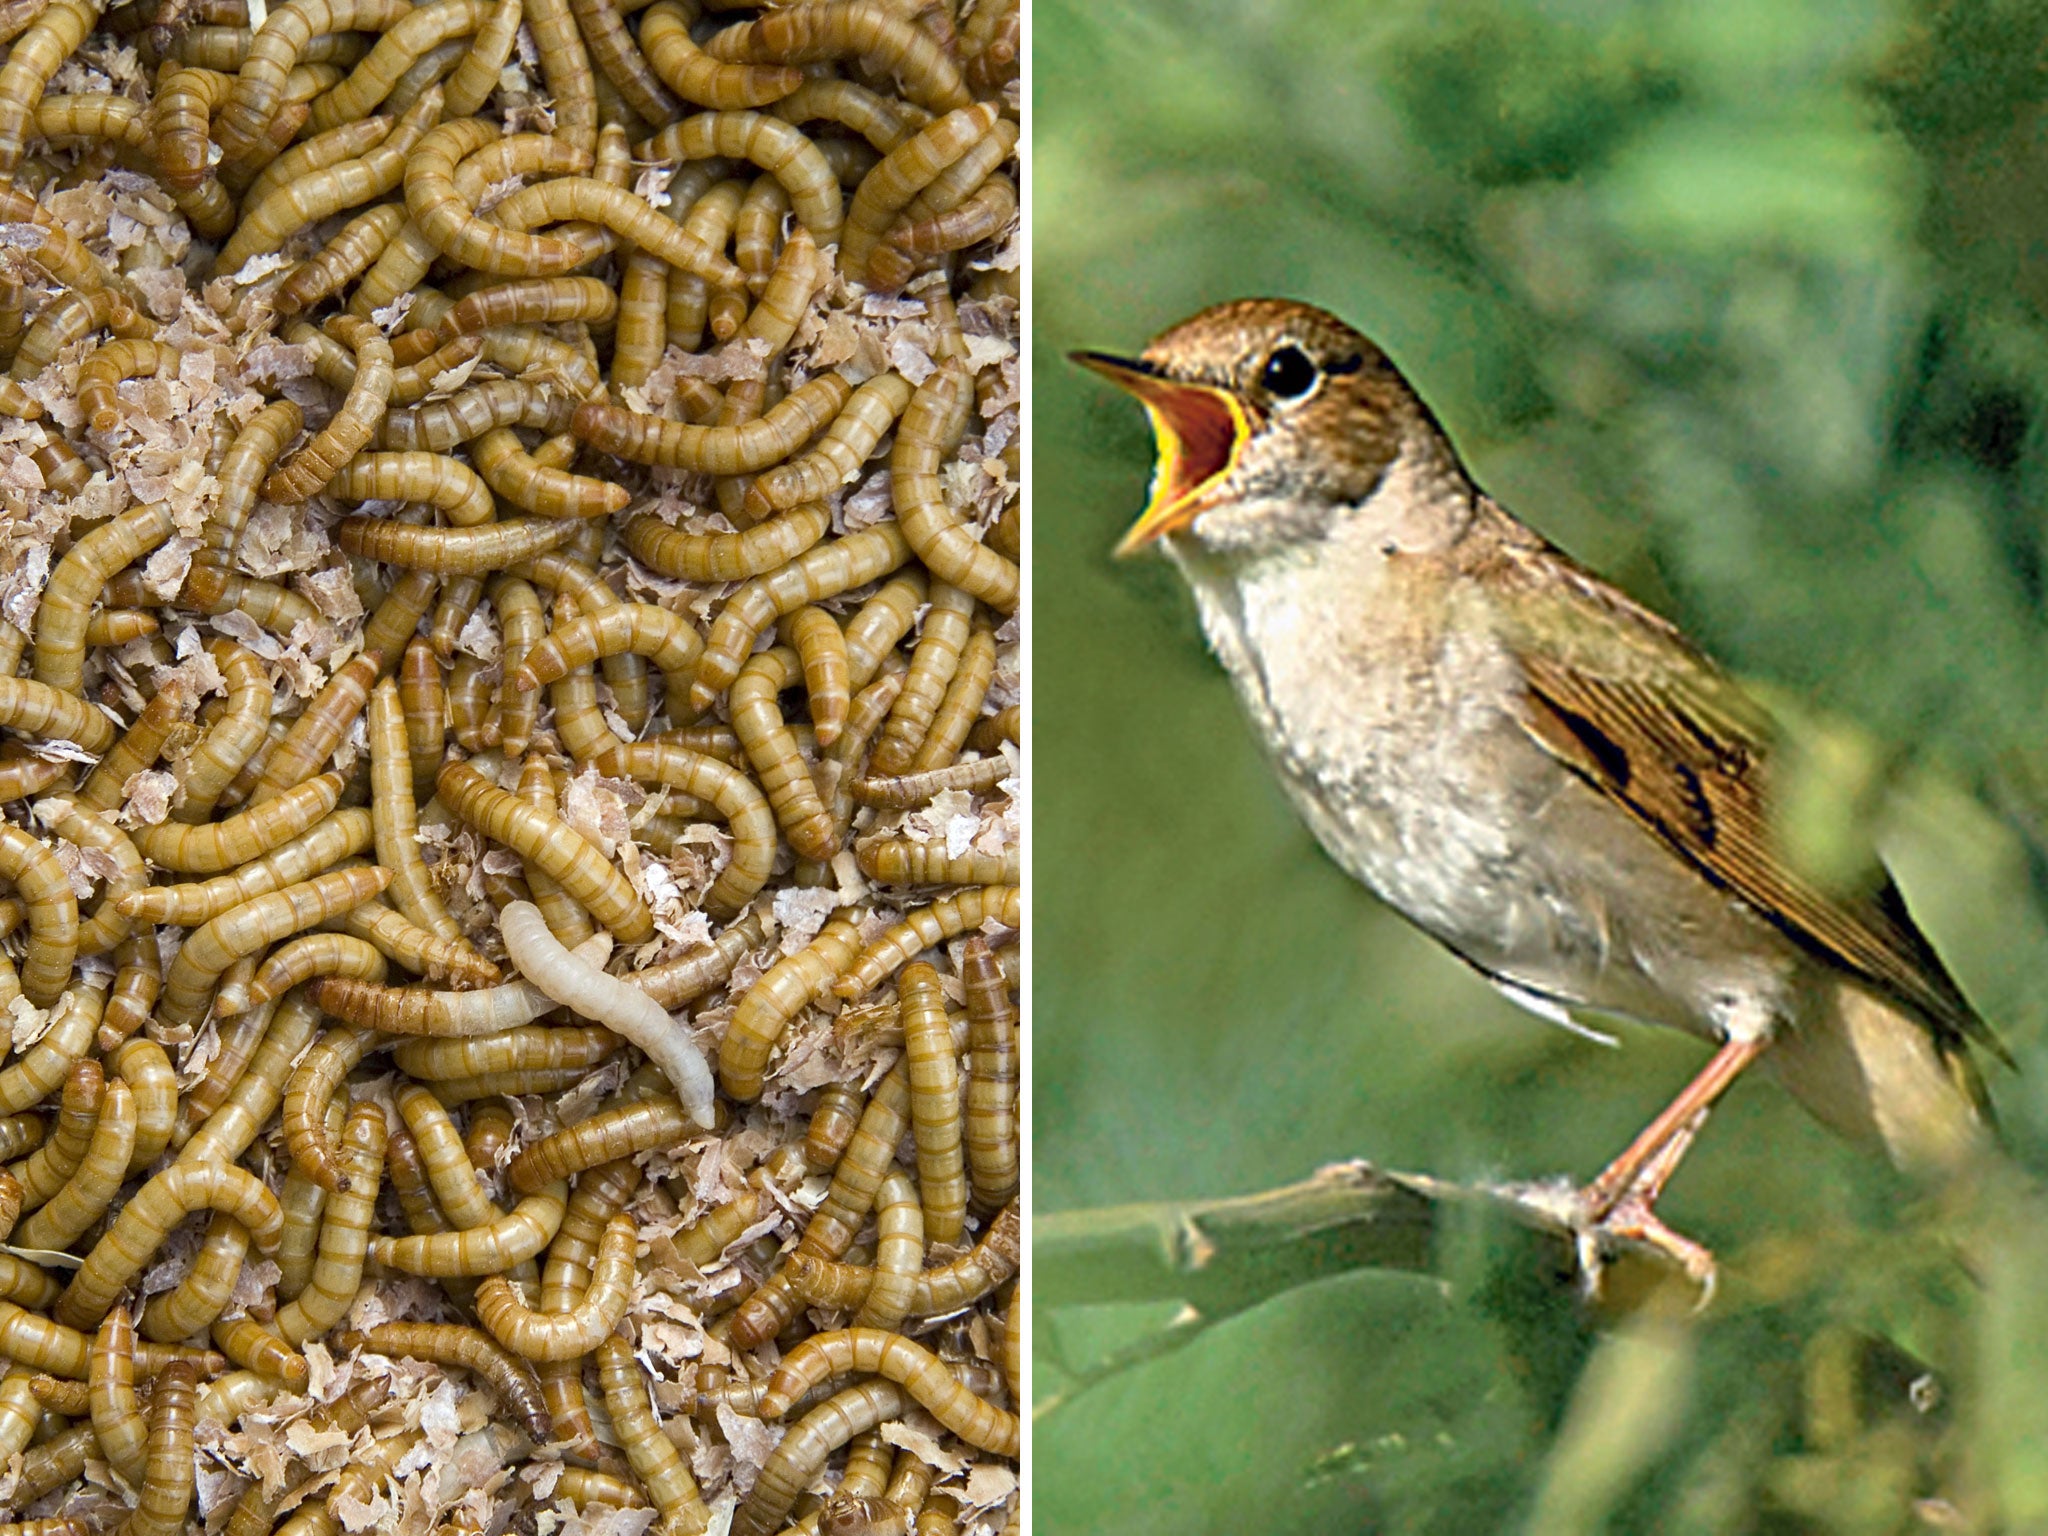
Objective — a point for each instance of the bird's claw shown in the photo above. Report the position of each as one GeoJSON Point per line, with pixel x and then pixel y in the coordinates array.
{"type": "Point", "coordinates": [1630, 1222]}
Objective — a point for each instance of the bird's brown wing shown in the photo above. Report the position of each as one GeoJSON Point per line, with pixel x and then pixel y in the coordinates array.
{"type": "Point", "coordinates": [1618, 695]}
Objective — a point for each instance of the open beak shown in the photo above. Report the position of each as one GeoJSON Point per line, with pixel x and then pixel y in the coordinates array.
{"type": "Point", "coordinates": [1199, 429]}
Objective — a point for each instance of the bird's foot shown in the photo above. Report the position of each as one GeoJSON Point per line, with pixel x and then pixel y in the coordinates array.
{"type": "Point", "coordinates": [1632, 1223]}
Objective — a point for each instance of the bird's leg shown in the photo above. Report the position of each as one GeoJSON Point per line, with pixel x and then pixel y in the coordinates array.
{"type": "Point", "coordinates": [1621, 1201]}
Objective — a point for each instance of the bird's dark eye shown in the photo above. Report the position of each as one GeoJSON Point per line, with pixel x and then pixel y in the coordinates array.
{"type": "Point", "coordinates": [1289, 373]}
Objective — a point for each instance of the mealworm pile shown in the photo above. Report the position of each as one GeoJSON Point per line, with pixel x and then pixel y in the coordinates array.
{"type": "Point", "coordinates": [509, 771]}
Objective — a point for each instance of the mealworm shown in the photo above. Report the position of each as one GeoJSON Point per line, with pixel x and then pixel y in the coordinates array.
{"type": "Point", "coordinates": [948, 623]}
{"type": "Point", "coordinates": [992, 1133]}
{"type": "Point", "coordinates": [883, 620]}
{"type": "Point", "coordinates": [118, 626]}
{"type": "Point", "coordinates": [934, 1075]}
{"type": "Point", "coordinates": [225, 1399]}
{"type": "Point", "coordinates": [835, 459]}
{"type": "Point", "coordinates": [916, 467]}
{"type": "Point", "coordinates": [395, 818]}
{"type": "Point", "coordinates": [49, 1466]}
{"type": "Point", "coordinates": [866, 29]}
{"type": "Point", "coordinates": [862, 1167]}
{"type": "Point", "coordinates": [585, 1488]}
{"type": "Point", "coordinates": [147, 1219]}
{"type": "Point", "coordinates": [748, 815]}
{"type": "Point", "coordinates": [641, 334]}
{"type": "Point", "coordinates": [355, 423]}
{"type": "Point", "coordinates": [927, 927]}
{"type": "Point", "coordinates": [283, 40]}
{"type": "Point", "coordinates": [71, 317]}
{"type": "Point", "coordinates": [960, 706]}
{"type": "Point", "coordinates": [654, 1457]}
{"type": "Point", "coordinates": [992, 731]}
{"type": "Point", "coordinates": [565, 916]}
{"type": "Point", "coordinates": [341, 260]}
{"type": "Point", "coordinates": [243, 837]}
{"type": "Point", "coordinates": [220, 754]}
{"type": "Point", "coordinates": [567, 857]}
{"type": "Point", "coordinates": [709, 219]}
{"type": "Point", "coordinates": [395, 52]}
{"type": "Point", "coordinates": [405, 943]}
{"type": "Point", "coordinates": [846, 1514]}
{"type": "Point", "coordinates": [488, 1134]}
{"type": "Point", "coordinates": [21, 1135]}
{"type": "Point", "coordinates": [883, 121]}
{"type": "Point", "coordinates": [469, 694]}
{"type": "Point", "coordinates": [185, 100]}
{"type": "Point", "coordinates": [255, 449]}
{"type": "Point", "coordinates": [72, 1399]}
{"type": "Point", "coordinates": [819, 573]}
{"type": "Point", "coordinates": [58, 1158]}
{"type": "Point", "coordinates": [832, 1123]}
{"type": "Point", "coordinates": [778, 148]}
{"type": "Point", "coordinates": [311, 741]}
{"type": "Point", "coordinates": [905, 171]}
{"type": "Point", "coordinates": [789, 986]}
{"type": "Point", "coordinates": [664, 638]}
{"type": "Point", "coordinates": [39, 880]}
{"type": "Point", "coordinates": [250, 1100]}
{"type": "Point", "coordinates": [902, 792]}
{"type": "Point", "coordinates": [89, 1190]}
{"type": "Point", "coordinates": [712, 557]}
{"type": "Point", "coordinates": [29, 1339]}
{"type": "Point", "coordinates": [605, 1137]}
{"type": "Point", "coordinates": [899, 1254]}
{"type": "Point", "coordinates": [804, 1450]}
{"type": "Point", "coordinates": [443, 1159]}
{"type": "Point", "coordinates": [991, 1262]}
{"type": "Point", "coordinates": [425, 702]}
{"type": "Point", "coordinates": [919, 1372]}
{"type": "Point", "coordinates": [483, 1250]}
{"type": "Point", "coordinates": [165, 1495]}
{"type": "Point", "coordinates": [477, 75]}
{"type": "Point", "coordinates": [254, 1347]}
{"type": "Point", "coordinates": [676, 982]}
{"type": "Point", "coordinates": [772, 749]}
{"type": "Point", "coordinates": [821, 647]}
{"type": "Point", "coordinates": [902, 861]}
{"type": "Point", "coordinates": [63, 471]}
{"type": "Point", "coordinates": [108, 926]}
{"type": "Point", "coordinates": [344, 1232]}
{"type": "Point", "coordinates": [450, 1344]}
{"type": "Point", "coordinates": [56, 250]}
{"type": "Point", "coordinates": [981, 216]}
{"type": "Point", "coordinates": [556, 1336]}
{"type": "Point", "coordinates": [533, 300]}
{"type": "Point", "coordinates": [202, 1295]}
{"type": "Point", "coordinates": [449, 1054]}
{"type": "Point", "coordinates": [396, 618]}
{"type": "Point", "coordinates": [309, 1090]}
{"type": "Point", "coordinates": [475, 551]}
{"type": "Point", "coordinates": [330, 145]}
{"type": "Point", "coordinates": [34, 60]}
{"type": "Point", "coordinates": [624, 1009]}
{"type": "Point", "coordinates": [119, 1424]}
{"type": "Point", "coordinates": [315, 954]}
{"type": "Point", "coordinates": [441, 424]}
{"type": "Point", "coordinates": [36, 709]}
{"type": "Point", "coordinates": [700, 79]}
{"type": "Point", "coordinates": [735, 450]}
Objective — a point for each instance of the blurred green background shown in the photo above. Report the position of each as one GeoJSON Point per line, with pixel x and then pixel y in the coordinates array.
{"type": "Point", "coordinates": [1743, 304]}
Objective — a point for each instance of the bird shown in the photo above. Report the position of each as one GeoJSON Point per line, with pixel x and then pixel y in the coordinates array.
{"type": "Point", "coordinates": [1536, 770]}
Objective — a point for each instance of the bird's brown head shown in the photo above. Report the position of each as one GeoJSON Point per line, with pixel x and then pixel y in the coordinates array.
{"type": "Point", "coordinates": [1265, 409]}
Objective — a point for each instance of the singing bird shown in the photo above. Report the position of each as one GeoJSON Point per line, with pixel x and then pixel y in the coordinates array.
{"type": "Point", "coordinates": [1534, 769]}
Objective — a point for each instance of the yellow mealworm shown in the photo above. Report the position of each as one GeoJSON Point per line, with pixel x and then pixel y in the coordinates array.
{"type": "Point", "coordinates": [311, 741]}
{"type": "Point", "coordinates": [146, 1069]}
{"type": "Point", "coordinates": [58, 1158]}
{"type": "Point", "coordinates": [654, 1457]}
{"type": "Point", "coordinates": [436, 479]}
{"type": "Point", "coordinates": [354, 424]}
{"type": "Point", "coordinates": [991, 1110]}
{"type": "Point", "coordinates": [117, 626]}
{"type": "Point", "coordinates": [727, 556]}
{"type": "Point", "coordinates": [441, 424]}
{"type": "Point", "coordinates": [961, 705]}
{"type": "Point", "coordinates": [72, 1399]}
{"type": "Point", "coordinates": [330, 145]}
{"type": "Point", "coordinates": [331, 839]}
{"type": "Point", "coordinates": [689, 976]}
{"type": "Point", "coordinates": [201, 1296]}
{"type": "Point", "coordinates": [748, 815]}
{"type": "Point", "coordinates": [862, 1167]}
{"type": "Point", "coordinates": [847, 1514]}
{"type": "Point", "coordinates": [641, 332]}
{"type": "Point", "coordinates": [883, 121]}
{"type": "Point", "coordinates": [992, 1261]}
{"type": "Point", "coordinates": [489, 1132]}
{"type": "Point", "coordinates": [821, 646]}
{"type": "Point", "coordinates": [565, 1335]}
{"type": "Point", "coordinates": [35, 709]}
{"type": "Point", "coordinates": [835, 459]}
{"type": "Point", "coordinates": [425, 701]}
{"type": "Point", "coordinates": [788, 987]}
{"type": "Point", "coordinates": [948, 622]}
{"type": "Point", "coordinates": [1013, 1344]}
{"type": "Point", "coordinates": [395, 818]}
{"type": "Point", "coordinates": [916, 467]}
{"type": "Point", "coordinates": [225, 1399]}
{"type": "Point", "coordinates": [734, 450]}
{"type": "Point", "coordinates": [530, 301]}
{"type": "Point", "coordinates": [240, 730]}
{"type": "Point", "coordinates": [371, 81]}
{"type": "Point", "coordinates": [622, 1008]}
{"type": "Point", "coordinates": [398, 616]}
{"type": "Point", "coordinates": [92, 1187]}
{"type": "Point", "coordinates": [811, 577]}
{"type": "Point", "coordinates": [308, 1093]}
{"type": "Point", "coordinates": [443, 1159]}
{"type": "Point", "coordinates": [524, 623]}
{"type": "Point", "coordinates": [776, 147]}
{"type": "Point", "coordinates": [30, 1339]}
{"type": "Point", "coordinates": [873, 631]}
{"type": "Point", "coordinates": [38, 1070]}
{"type": "Point", "coordinates": [304, 1202]}
{"type": "Point", "coordinates": [900, 861]}
{"type": "Point", "coordinates": [903, 172]}
{"type": "Point", "coordinates": [243, 837]}
{"type": "Point", "coordinates": [250, 928]}
{"type": "Point", "coordinates": [982, 216]}
{"type": "Point", "coordinates": [47, 1467]}
{"type": "Point", "coordinates": [832, 1123]}
{"type": "Point", "coordinates": [565, 916]}
{"type": "Point", "coordinates": [700, 79]}
{"type": "Point", "coordinates": [584, 1488]}
{"type": "Point", "coordinates": [484, 1250]}
{"type": "Point", "coordinates": [75, 585]}
{"type": "Point", "coordinates": [21, 1135]}
{"type": "Point", "coordinates": [477, 75]}
{"type": "Point", "coordinates": [63, 471]}
{"type": "Point", "coordinates": [519, 1049]}
{"type": "Point", "coordinates": [868, 29]}
{"type": "Point", "coordinates": [341, 260]}
{"type": "Point", "coordinates": [772, 749]}
{"type": "Point", "coordinates": [122, 1430]}
{"type": "Point", "coordinates": [866, 1474]}
{"type": "Point", "coordinates": [899, 1254]}
{"type": "Point", "coordinates": [797, 276]}
{"type": "Point", "coordinates": [709, 218]}
{"type": "Point", "coordinates": [934, 1075]}
{"type": "Point", "coordinates": [109, 925]}
{"type": "Point", "coordinates": [904, 792]}
{"type": "Point", "coordinates": [459, 597]}
{"type": "Point", "coordinates": [605, 1137]}
{"type": "Point", "coordinates": [185, 99]}
{"type": "Point", "coordinates": [254, 1347]}
{"type": "Point", "coordinates": [55, 249]}
{"type": "Point", "coordinates": [405, 943]}
{"type": "Point", "coordinates": [255, 449]}
{"type": "Point", "coordinates": [344, 1232]}
{"type": "Point", "coordinates": [165, 1496]}
{"type": "Point", "coordinates": [469, 703]}
{"type": "Point", "coordinates": [143, 1223]}
{"type": "Point", "coordinates": [919, 1372]}
{"type": "Point", "coordinates": [281, 43]}
{"type": "Point", "coordinates": [45, 890]}
{"type": "Point", "coordinates": [992, 731]}
{"type": "Point", "coordinates": [664, 638]}
{"type": "Point", "coordinates": [567, 857]}
{"type": "Point", "coordinates": [927, 927]}
{"type": "Point", "coordinates": [803, 1452]}
{"type": "Point", "coordinates": [474, 551]}
{"type": "Point", "coordinates": [31, 64]}
{"type": "Point", "coordinates": [247, 1105]}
